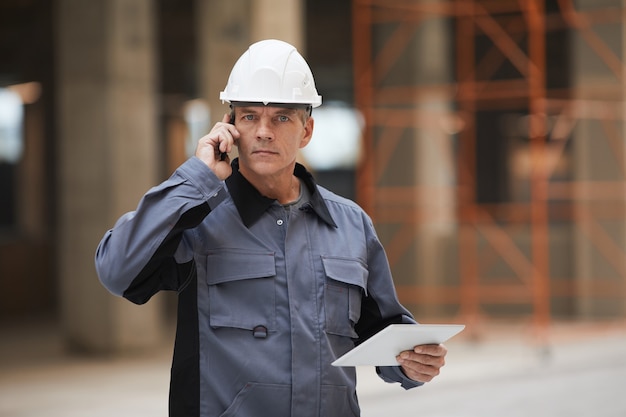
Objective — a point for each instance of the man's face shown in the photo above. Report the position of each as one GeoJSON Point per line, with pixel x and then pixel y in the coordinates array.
{"type": "Point", "coordinates": [270, 139]}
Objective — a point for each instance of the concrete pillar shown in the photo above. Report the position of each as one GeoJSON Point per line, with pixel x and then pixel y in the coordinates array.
{"type": "Point", "coordinates": [223, 35]}
{"type": "Point", "coordinates": [434, 159]}
{"type": "Point", "coordinates": [278, 19]}
{"type": "Point", "coordinates": [107, 160]}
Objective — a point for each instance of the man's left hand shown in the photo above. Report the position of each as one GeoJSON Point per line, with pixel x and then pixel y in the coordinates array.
{"type": "Point", "coordinates": [423, 363]}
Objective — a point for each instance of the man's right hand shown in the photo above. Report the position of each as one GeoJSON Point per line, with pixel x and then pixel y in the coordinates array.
{"type": "Point", "coordinates": [219, 140]}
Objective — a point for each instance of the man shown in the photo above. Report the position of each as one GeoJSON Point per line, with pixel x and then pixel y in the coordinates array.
{"type": "Point", "coordinates": [276, 276]}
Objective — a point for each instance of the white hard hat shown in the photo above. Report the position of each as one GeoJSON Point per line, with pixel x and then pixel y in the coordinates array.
{"type": "Point", "coordinates": [271, 71]}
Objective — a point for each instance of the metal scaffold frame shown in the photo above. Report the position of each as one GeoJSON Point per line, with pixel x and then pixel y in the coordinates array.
{"type": "Point", "coordinates": [486, 232]}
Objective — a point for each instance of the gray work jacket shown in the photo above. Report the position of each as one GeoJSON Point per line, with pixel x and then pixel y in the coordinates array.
{"type": "Point", "coordinates": [267, 299]}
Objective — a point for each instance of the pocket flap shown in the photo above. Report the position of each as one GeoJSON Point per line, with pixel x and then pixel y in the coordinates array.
{"type": "Point", "coordinates": [347, 270]}
{"type": "Point", "coordinates": [234, 265]}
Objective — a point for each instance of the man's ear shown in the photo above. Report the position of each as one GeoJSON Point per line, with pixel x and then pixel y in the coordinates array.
{"type": "Point", "coordinates": [308, 132]}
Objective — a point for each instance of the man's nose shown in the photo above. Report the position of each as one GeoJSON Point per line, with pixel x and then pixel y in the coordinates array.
{"type": "Point", "coordinates": [264, 129]}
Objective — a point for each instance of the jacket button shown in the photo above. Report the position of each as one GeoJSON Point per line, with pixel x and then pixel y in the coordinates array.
{"type": "Point", "coordinates": [279, 222]}
{"type": "Point", "coordinates": [260, 332]}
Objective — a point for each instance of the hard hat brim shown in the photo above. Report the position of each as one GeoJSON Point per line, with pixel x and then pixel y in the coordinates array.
{"type": "Point", "coordinates": [260, 104]}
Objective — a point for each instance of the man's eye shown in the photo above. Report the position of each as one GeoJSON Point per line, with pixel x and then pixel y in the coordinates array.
{"type": "Point", "coordinates": [249, 117]}
{"type": "Point", "coordinates": [283, 118]}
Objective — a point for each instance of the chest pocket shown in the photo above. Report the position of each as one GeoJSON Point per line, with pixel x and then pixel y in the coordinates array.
{"type": "Point", "coordinates": [346, 283]}
{"type": "Point", "coordinates": [241, 289]}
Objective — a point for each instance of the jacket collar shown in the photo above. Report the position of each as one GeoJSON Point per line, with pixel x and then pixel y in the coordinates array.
{"type": "Point", "coordinates": [251, 204]}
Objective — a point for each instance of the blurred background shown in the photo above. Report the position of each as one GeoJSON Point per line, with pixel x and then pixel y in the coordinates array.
{"type": "Point", "coordinates": [484, 137]}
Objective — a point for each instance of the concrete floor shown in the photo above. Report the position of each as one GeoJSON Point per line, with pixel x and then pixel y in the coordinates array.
{"type": "Point", "coordinates": [504, 374]}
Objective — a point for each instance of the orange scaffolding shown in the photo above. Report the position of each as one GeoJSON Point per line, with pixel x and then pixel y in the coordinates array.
{"type": "Point", "coordinates": [486, 35]}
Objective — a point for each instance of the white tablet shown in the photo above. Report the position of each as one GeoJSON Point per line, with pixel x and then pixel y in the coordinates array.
{"type": "Point", "coordinates": [382, 348]}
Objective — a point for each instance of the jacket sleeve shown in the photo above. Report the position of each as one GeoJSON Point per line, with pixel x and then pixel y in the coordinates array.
{"type": "Point", "coordinates": [146, 252]}
{"type": "Point", "coordinates": [381, 306]}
